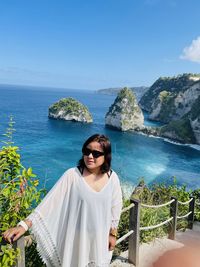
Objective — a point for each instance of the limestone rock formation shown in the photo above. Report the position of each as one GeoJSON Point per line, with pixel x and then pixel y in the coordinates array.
{"type": "Point", "coordinates": [186, 129]}
{"type": "Point", "coordinates": [176, 102]}
{"type": "Point", "coordinates": [71, 110]}
{"type": "Point", "coordinates": [125, 114]}
{"type": "Point", "coordinates": [171, 98]}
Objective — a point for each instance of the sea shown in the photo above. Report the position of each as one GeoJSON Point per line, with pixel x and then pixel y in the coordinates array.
{"type": "Point", "coordinates": [52, 146]}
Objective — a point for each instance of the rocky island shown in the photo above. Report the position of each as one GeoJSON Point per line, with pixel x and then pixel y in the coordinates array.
{"type": "Point", "coordinates": [71, 110]}
{"type": "Point", "coordinates": [125, 114]}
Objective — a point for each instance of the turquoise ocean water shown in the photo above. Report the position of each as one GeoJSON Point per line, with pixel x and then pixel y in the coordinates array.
{"type": "Point", "coordinates": [51, 146]}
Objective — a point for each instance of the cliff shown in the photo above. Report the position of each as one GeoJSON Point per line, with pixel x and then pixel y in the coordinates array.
{"type": "Point", "coordinates": [186, 129]}
{"type": "Point", "coordinates": [71, 110]}
{"type": "Point", "coordinates": [125, 114]}
{"type": "Point", "coordinates": [171, 98]}
{"type": "Point", "coordinates": [176, 102]}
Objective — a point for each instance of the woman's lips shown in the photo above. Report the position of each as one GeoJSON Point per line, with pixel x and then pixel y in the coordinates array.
{"type": "Point", "coordinates": [90, 161]}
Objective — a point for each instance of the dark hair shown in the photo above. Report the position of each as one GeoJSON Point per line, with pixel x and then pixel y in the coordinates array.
{"type": "Point", "coordinates": [106, 146]}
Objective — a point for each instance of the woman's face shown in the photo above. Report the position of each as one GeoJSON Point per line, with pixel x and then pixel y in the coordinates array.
{"type": "Point", "coordinates": [91, 161]}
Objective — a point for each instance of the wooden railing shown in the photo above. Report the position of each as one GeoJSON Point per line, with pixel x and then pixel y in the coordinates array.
{"type": "Point", "coordinates": [134, 226]}
{"type": "Point", "coordinates": [134, 223]}
{"type": "Point", "coordinates": [20, 243]}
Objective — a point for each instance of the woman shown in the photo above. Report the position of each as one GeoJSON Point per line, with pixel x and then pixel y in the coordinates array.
{"type": "Point", "coordinates": [76, 223]}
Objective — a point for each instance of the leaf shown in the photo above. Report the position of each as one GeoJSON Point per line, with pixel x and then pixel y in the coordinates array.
{"type": "Point", "coordinates": [6, 192]}
{"type": "Point", "coordinates": [29, 171]}
{"type": "Point", "coordinates": [35, 183]}
{"type": "Point", "coordinates": [24, 172]}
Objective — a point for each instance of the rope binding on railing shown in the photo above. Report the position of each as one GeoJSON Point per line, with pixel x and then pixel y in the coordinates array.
{"type": "Point", "coordinates": [184, 216]}
{"type": "Point", "coordinates": [128, 208]}
{"type": "Point", "coordinates": [185, 203]}
{"type": "Point", "coordinates": [156, 226]}
{"type": "Point", "coordinates": [157, 206]}
{"type": "Point", "coordinates": [124, 237]}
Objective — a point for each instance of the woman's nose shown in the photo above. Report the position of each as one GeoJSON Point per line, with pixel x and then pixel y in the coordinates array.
{"type": "Point", "coordinates": [90, 155]}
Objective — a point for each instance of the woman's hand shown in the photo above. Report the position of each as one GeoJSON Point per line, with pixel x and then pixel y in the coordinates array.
{"type": "Point", "coordinates": [112, 242]}
{"type": "Point", "coordinates": [14, 233]}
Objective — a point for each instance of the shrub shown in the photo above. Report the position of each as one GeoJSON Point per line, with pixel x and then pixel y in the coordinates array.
{"type": "Point", "coordinates": [18, 195]}
{"type": "Point", "coordinates": [155, 195]}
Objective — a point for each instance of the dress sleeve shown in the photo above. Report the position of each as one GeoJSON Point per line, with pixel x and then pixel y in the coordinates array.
{"type": "Point", "coordinates": [47, 219]}
{"type": "Point", "coordinates": [116, 204]}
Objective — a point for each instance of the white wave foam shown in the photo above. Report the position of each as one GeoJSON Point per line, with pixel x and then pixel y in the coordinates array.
{"type": "Point", "coordinates": [156, 168]}
{"type": "Point", "coordinates": [194, 146]}
{"type": "Point", "coordinates": [127, 189]}
{"type": "Point", "coordinates": [197, 147]}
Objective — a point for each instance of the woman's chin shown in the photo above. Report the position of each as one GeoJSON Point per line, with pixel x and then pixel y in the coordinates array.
{"type": "Point", "coordinates": [90, 166]}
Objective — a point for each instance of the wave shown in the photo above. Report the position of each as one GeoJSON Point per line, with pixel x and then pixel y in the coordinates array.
{"type": "Point", "coordinates": [197, 147]}
{"type": "Point", "coordinates": [127, 189]}
{"type": "Point", "coordinates": [194, 146]}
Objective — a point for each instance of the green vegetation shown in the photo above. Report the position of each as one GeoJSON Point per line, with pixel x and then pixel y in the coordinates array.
{"type": "Point", "coordinates": [162, 100]}
{"type": "Point", "coordinates": [181, 129]}
{"type": "Point", "coordinates": [18, 196]}
{"type": "Point", "coordinates": [168, 108]}
{"type": "Point", "coordinates": [164, 96]}
{"type": "Point", "coordinates": [195, 110]}
{"type": "Point", "coordinates": [155, 195]}
{"type": "Point", "coordinates": [124, 93]}
{"type": "Point", "coordinates": [69, 106]}
{"type": "Point", "coordinates": [171, 84]}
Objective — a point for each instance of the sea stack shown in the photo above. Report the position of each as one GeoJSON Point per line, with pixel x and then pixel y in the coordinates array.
{"type": "Point", "coordinates": [125, 114]}
{"type": "Point", "coordinates": [70, 109]}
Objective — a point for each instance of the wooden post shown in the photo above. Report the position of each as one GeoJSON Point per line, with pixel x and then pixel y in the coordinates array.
{"type": "Point", "coordinates": [21, 246]}
{"type": "Point", "coordinates": [191, 216]}
{"type": "Point", "coordinates": [134, 239]}
{"type": "Point", "coordinates": [173, 213]}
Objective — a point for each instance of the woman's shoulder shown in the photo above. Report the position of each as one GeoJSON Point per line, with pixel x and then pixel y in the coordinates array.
{"type": "Point", "coordinates": [71, 170]}
{"type": "Point", "coordinates": [113, 173]}
{"type": "Point", "coordinates": [115, 176]}
{"type": "Point", "coordinates": [69, 175]}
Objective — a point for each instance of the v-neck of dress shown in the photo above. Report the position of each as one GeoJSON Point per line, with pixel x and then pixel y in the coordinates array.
{"type": "Point", "coordinates": [89, 187]}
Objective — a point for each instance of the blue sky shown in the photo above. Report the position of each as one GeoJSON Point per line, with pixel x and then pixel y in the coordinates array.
{"type": "Point", "coordinates": [93, 44]}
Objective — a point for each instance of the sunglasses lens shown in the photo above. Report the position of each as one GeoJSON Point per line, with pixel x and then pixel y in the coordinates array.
{"type": "Point", "coordinates": [94, 153]}
{"type": "Point", "coordinates": [97, 154]}
{"type": "Point", "coordinates": [86, 151]}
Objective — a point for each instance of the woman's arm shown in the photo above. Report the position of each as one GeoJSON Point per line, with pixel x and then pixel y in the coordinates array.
{"type": "Point", "coordinates": [15, 233]}
{"type": "Point", "coordinates": [45, 207]}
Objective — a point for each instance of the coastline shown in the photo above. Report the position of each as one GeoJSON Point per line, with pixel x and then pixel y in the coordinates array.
{"type": "Point", "coordinates": [55, 145]}
{"type": "Point", "coordinates": [175, 142]}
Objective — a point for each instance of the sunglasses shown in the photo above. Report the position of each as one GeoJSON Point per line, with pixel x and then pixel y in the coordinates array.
{"type": "Point", "coordinates": [95, 153]}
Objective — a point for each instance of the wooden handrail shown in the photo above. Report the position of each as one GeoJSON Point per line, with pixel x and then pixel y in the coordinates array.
{"type": "Point", "coordinates": [20, 243]}
{"type": "Point", "coordinates": [134, 224]}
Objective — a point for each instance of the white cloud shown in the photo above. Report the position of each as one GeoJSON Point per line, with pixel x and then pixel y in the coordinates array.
{"type": "Point", "coordinates": [192, 52]}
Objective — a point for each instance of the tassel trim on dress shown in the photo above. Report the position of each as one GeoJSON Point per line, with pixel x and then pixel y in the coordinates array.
{"type": "Point", "coordinates": [93, 264]}
{"type": "Point", "coordinates": [45, 244]}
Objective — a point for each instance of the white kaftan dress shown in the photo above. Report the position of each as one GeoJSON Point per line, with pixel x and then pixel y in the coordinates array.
{"type": "Point", "coordinates": [71, 225]}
